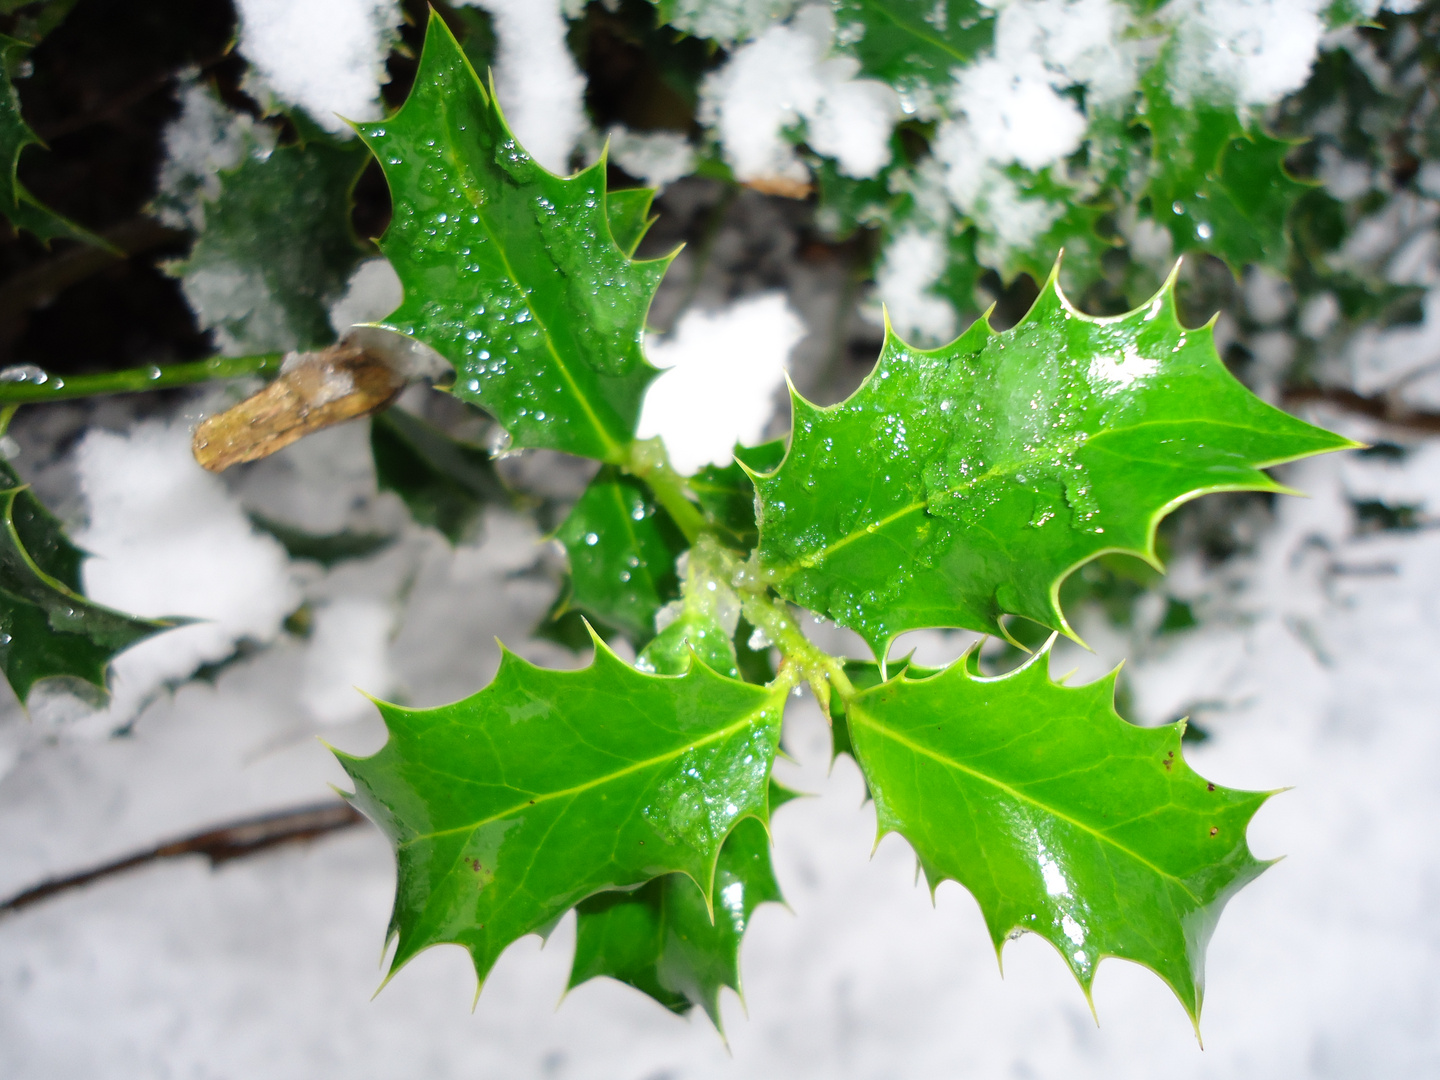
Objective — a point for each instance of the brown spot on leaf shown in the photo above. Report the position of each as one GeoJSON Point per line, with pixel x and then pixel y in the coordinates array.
{"type": "Point", "coordinates": [1214, 832]}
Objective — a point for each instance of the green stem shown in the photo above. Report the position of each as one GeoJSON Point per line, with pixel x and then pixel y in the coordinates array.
{"type": "Point", "coordinates": [36, 385]}
{"type": "Point", "coordinates": [650, 463]}
{"type": "Point", "coordinates": [7, 413]}
{"type": "Point", "coordinates": [823, 671]}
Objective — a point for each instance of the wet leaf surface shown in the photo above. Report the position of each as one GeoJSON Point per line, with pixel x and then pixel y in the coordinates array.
{"type": "Point", "coordinates": [496, 804]}
{"type": "Point", "coordinates": [965, 483]}
{"type": "Point", "coordinates": [1060, 818]}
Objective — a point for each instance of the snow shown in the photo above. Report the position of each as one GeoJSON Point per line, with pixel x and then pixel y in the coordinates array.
{"type": "Point", "coordinates": [728, 22]}
{"type": "Point", "coordinates": [1251, 52]}
{"type": "Point", "coordinates": [168, 539]}
{"type": "Point", "coordinates": [373, 291]}
{"type": "Point", "coordinates": [349, 647]}
{"type": "Point", "coordinates": [541, 90]}
{"type": "Point", "coordinates": [723, 370]}
{"type": "Point", "coordinates": [785, 77]}
{"type": "Point", "coordinates": [204, 140]}
{"type": "Point", "coordinates": [913, 262]}
{"type": "Point", "coordinates": [656, 158]}
{"type": "Point", "coordinates": [325, 56]}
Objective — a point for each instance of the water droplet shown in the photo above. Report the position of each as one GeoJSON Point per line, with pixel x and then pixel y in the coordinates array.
{"type": "Point", "coordinates": [592, 538]}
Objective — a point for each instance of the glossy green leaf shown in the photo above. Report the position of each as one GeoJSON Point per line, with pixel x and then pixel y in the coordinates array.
{"type": "Point", "coordinates": [509, 807]}
{"type": "Point", "coordinates": [965, 483]}
{"type": "Point", "coordinates": [914, 44]}
{"type": "Point", "coordinates": [278, 247]}
{"type": "Point", "coordinates": [629, 217]}
{"type": "Point", "coordinates": [863, 674]}
{"type": "Point", "coordinates": [47, 627]}
{"type": "Point", "coordinates": [444, 482]}
{"type": "Point", "coordinates": [1059, 817]}
{"type": "Point", "coordinates": [16, 203]}
{"type": "Point", "coordinates": [727, 493]}
{"type": "Point", "coordinates": [622, 548]}
{"type": "Point", "coordinates": [511, 272]}
{"type": "Point", "coordinates": [1218, 184]}
{"type": "Point", "coordinates": [701, 623]}
{"type": "Point", "coordinates": [661, 938]}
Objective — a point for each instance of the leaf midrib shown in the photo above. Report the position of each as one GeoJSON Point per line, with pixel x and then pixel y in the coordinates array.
{"type": "Point", "coordinates": [914, 31]}
{"type": "Point", "coordinates": [857, 710]}
{"type": "Point", "coordinates": [813, 560]}
{"type": "Point", "coordinates": [613, 449]}
{"type": "Point", "coordinates": [746, 721]}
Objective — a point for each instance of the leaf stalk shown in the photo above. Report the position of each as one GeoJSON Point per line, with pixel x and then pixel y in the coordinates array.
{"type": "Point", "coordinates": [25, 385]}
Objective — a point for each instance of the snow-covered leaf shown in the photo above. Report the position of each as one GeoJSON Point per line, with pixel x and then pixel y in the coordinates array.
{"type": "Point", "coordinates": [277, 247]}
{"type": "Point", "coordinates": [914, 44]}
{"type": "Point", "coordinates": [1217, 183]}
{"type": "Point", "coordinates": [445, 483]}
{"type": "Point", "coordinates": [47, 627]}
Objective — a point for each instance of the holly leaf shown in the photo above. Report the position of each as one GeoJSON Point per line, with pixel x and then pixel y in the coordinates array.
{"type": "Point", "coordinates": [510, 271]}
{"type": "Point", "coordinates": [622, 547]}
{"type": "Point", "coordinates": [1060, 818]}
{"type": "Point", "coordinates": [497, 804]}
{"type": "Point", "coordinates": [727, 493]}
{"type": "Point", "coordinates": [863, 674]}
{"type": "Point", "coordinates": [16, 203]}
{"type": "Point", "coordinates": [48, 629]}
{"type": "Point", "coordinates": [965, 483]}
{"type": "Point", "coordinates": [1218, 184]}
{"type": "Point", "coordinates": [913, 44]}
{"type": "Point", "coordinates": [628, 213]}
{"type": "Point", "coordinates": [662, 939]}
{"type": "Point", "coordinates": [445, 483]}
{"type": "Point", "coordinates": [278, 247]}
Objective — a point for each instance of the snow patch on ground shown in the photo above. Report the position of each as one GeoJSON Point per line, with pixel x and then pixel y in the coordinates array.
{"type": "Point", "coordinates": [722, 372]}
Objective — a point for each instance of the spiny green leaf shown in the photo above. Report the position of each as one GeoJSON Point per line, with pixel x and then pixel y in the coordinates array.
{"type": "Point", "coordinates": [728, 494]}
{"type": "Point", "coordinates": [695, 631]}
{"type": "Point", "coordinates": [622, 549]}
{"type": "Point", "coordinates": [914, 44]}
{"type": "Point", "coordinates": [278, 246]}
{"type": "Point", "coordinates": [965, 483]}
{"type": "Point", "coordinates": [47, 627]}
{"type": "Point", "coordinates": [1218, 184]}
{"type": "Point", "coordinates": [445, 483]}
{"type": "Point", "coordinates": [701, 623]}
{"type": "Point", "coordinates": [1062, 819]}
{"type": "Point", "coordinates": [17, 204]}
{"type": "Point", "coordinates": [510, 807]}
{"type": "Point", "coordinates": [628, 213]}
{"type": "Point", "coordinates": [511, 272]}
{"type": "Point", "coordinates": [661, 938]}
{"type": "Point", "coordinates": [863, 674]}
